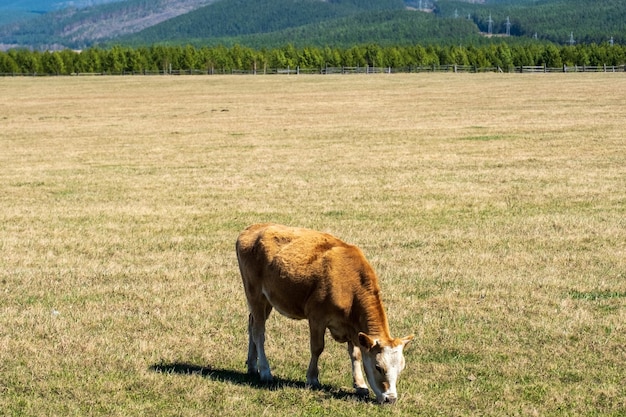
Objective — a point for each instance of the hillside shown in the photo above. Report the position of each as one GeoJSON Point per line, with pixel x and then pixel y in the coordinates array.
{"type": "Point", "coordinates": [277, 20]}
{"type": "Point", "coordinates": [75, 27]}
{"type": "Point", "coordinates": [275, 23]}
{"type": "Point", "coordinates": [385, 28]}
{"type": "Point", "coordinates": [13, 11]}
{"type": "Point", "coordinates": [269, 23]}
{"type": "Point", "coordinates": [590, 21]}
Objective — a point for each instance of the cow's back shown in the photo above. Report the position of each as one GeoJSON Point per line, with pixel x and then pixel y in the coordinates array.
{"type": "Point", "coordinates": [293, 251]}
{"type": "Point", "coordinates": [297, 269]}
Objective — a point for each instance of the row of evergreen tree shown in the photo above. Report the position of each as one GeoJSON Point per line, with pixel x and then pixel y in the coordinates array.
{"type": "Point", "coordinates": [119, 59]}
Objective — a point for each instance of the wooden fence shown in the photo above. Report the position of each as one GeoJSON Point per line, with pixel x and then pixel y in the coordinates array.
{"type": "Point", "coordinates": [354, 70]}
{"type": "Point", "coordinates": [575, 68]}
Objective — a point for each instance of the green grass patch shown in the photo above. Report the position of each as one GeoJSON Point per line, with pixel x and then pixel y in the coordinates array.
{"type": "Point", "coordinates": [450, 356]}
{"type": "Point", "coordinates": [596, 295]}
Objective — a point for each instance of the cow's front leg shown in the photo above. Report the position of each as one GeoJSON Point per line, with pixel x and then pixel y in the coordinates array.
{"type": "Point", "coordinates": [317, 347]}
{"type": "Point", "coordinates": [357, 370]}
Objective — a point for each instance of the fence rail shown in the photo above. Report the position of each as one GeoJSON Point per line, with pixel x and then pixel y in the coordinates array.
{"type": "Point", "coordinates": [349, 70]}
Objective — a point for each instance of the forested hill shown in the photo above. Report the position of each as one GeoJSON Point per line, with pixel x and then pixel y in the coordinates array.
{"type": "Point", "coordinates": [388, 22]}
{"type": "Point", "coordinates": [79, 27]}
{"type": "Point", "coordinates": [272, 23]}
{"type": "Point", "coordinates": [589, 21]}
{"type": "Point", "coordinates": [269, 22]}
{"type": "Point", "coordinates": [385, 28]}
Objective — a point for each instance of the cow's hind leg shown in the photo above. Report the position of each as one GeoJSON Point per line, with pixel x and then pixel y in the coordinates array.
{"type": "Point", "coordinates": [257, 361]}
{"type": "Point", "coordinates": [317, 347]}
{"type": "Point", "coordinates": [252, 352]}
{"type": "Point", "coordinates": [357, 371]}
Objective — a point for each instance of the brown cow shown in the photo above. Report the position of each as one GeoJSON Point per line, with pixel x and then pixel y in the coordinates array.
{"type": "Point", "coordinates": [311, 275]}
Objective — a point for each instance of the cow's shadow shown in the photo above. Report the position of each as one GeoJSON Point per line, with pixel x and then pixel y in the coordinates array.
{"type": "Point", "coordinates": [242, 378]}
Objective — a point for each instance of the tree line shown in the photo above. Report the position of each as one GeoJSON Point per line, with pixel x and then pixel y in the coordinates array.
{"type": "Point", "coordinates": [159, 58]}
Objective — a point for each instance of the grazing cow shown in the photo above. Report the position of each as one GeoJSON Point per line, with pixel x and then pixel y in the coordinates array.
{"type": "Point", "coordinates": [311, 275]}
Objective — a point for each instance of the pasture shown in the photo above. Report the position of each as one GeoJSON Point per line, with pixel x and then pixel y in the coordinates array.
{"type": "Point", "coordinates": [492, 206]}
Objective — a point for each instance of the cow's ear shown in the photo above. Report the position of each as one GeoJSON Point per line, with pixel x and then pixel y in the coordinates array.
{"type": "Point", "coordinates": [406, 340]}
{"type": "Point", "coordinates": [367, 342]}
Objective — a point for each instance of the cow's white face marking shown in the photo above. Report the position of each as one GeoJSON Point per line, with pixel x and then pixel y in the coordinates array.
{"type": "Point", "coordinates": [383, 365]}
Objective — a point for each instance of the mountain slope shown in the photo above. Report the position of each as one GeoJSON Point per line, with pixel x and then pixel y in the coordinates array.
{"type": "Point", "coordinates": [590, 21]}
{"type": "Point", "coordinates": [229, 18]}
{"type": "Point", "coordinates": [267, 23]}
{"type": "Point", "coordinates": [13, 11]}
{"type": "Point", "coordinates": [385, 28]}
{"type": "Point", "coordinates": [309, 22]}
{"type": "Point", "coordinates": [81, 27]}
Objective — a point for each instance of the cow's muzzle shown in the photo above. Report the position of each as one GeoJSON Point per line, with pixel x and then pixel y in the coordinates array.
{"type": "Point", "coordinates": [388, 399]}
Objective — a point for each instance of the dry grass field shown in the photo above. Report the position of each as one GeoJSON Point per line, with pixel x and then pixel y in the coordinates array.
{"type": "Point", "coordinates": [492, 206]}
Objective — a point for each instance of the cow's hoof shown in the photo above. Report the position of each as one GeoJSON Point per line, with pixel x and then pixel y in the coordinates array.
{"type": "Point", "coordinates": [266, 377]}
{"type": "Point", "coordinates": [362, 392]}
{"type": "Point", "coordinates": [313, 385]}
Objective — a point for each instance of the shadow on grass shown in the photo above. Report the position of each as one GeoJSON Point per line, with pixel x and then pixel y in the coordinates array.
{"type": "Point", "coordinates": [242, 378]}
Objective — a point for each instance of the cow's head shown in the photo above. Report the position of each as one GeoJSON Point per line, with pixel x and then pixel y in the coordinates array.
{"type": "Point", "coordinates": [383, 361]}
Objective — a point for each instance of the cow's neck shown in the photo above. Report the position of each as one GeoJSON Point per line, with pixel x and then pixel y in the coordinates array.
{"type": "Point", "coordinates": [371, 315]}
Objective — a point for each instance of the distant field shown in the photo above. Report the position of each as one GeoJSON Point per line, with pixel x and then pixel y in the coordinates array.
{"type": "Point", "coordinates": [492, 206]}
